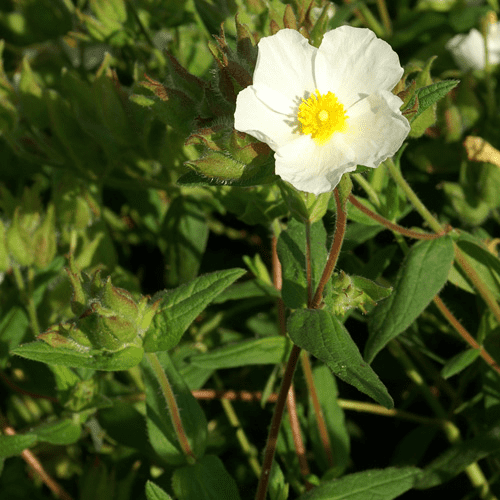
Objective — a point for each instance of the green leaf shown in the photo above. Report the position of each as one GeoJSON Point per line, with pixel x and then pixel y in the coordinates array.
{"type": "Point", "coordinates": [266, 351]}
{"type": "Point", "coordinates": [459, 362]}
{"type": "Point", "coordinates": [154, 492]}
{"type": "Point", "coordinates": [123, 423]}
{"type": "Point", "coordinates": [384, 484]}
{"type": "Point", "coordinates": [484, 263]}
{"type": "Point", "coordinates": [291, 251]}
{"type": "Point", "coordinates": [421, 276]}
{"type": "Point", "coordinates": [160, 427]}
{"type": "Point", "coordinates": [429, 95]}
{"type": "Point", "coordinates": [247, 290]}
{"type": "Point", "coordinates": [221, 169]}
{"type": "Point", "coordinates": [324, 336]}
{"type": "Point", "coordinates": [86, 358]}
{"type": "Point", "coordinates": [11, 446]}
{"type": "Point", "coordinates": [326, 389]}
{"type": "Point", "coordinates": [185, 233]}
{"type": "Point", "coordinates": [457, 458]}
{"type": "Point", "coordinates": [61, 432]}
{"type": "Point", "coordinates": [179, 307]}
{"type": "Point", "coordinates": [205, 480]}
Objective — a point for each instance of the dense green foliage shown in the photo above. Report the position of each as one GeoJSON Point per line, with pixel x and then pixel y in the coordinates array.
{"type": "Point", "coordinates": [155, 273]}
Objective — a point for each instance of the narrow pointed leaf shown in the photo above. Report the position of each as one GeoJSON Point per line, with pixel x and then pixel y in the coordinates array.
{"type": "Point", "coordinates": [270, 350]}
{"type": "Point", "coordinates": [384, 484]}
{"type": "Point", "coordinates": [154, 492]}
{"type": "Point", "coordinates": [161, 431]}
{"type": "Point", "coordinates": [459, 362]}
{"type": "Point", "coordinates": [206, 480]}
{"type": "Point", "coordinates": [97, 360]}
{"type": "Point", "coordinates": [179, 307]}
{"type": "Point", "coordinates": [324, 336]}
{"type": "Point", "coordinates": [423, 273]}
{"type": "Point", "coordinates": [457, 458]}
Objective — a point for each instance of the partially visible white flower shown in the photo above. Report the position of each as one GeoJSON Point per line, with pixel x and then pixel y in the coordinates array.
{"type": "Point", "coordinates": [469, 50]}
{"type": "Point", "coordinates": [324, 110]}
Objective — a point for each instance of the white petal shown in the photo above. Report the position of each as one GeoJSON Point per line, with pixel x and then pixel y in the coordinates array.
{"type": "Point", "coordinates": [284, 64]}
{"type": "Point", "coordinates": [255, 118]}
{"type": "Point", "coordinates": [468, 50]}
{"type": "Point", "coordinates": [376, 128]}
{"type": "Point", "coordinates": [312, 168]}
{"type": "Point", "coordinates": [353, 63]}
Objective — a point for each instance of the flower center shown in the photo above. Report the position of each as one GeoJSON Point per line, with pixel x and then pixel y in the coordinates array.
{"type": "Point", "coordinates": [322, 116]}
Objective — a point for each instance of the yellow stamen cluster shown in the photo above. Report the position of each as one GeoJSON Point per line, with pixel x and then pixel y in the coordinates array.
{"type": "Point", "coordinates": [322, 116]}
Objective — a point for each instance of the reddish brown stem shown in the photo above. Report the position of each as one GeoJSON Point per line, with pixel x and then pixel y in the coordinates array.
{"type": "Point", "coordinates": [320, 419]}
{"type": "Point", "coordinates": [334, 252]}
{"type": "Point", "coordinates": [465, 334]}
{"type": "Point", "coordinates": [390, 225]}
{"type": "Point", "coordinates": [247, 396]}
{"type": "Point", "coordinates": [37, 467]}
{"type": "Point", "coordinates": [272, 438]}
{"type": "Point", "coordinates": [300, 449]}
{"type": "Point", "coordinates": [292, 410]}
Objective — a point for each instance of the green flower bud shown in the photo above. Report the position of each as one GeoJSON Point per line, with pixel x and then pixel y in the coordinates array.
{"type": "Point", "coordinates": [44, 240]}
{"type": "Point", "coordinates": [4, 253]}
{"type": "Point", "coordinates": [19, 241]}
{"type": "Point", "coordinates": [119, 300]}
{"type": "Point", "coordinates": [79, 298]}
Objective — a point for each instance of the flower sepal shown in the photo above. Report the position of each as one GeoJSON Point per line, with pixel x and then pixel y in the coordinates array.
{"type": "Point", "coordinates": [305, 207]}
{"type": "Point", "coordinates": [107, 317]}
{"type": "Point", "coordinates": [350, 292]}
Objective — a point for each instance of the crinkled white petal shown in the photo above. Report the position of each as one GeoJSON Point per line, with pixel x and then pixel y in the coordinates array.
{"type": "Point", "coordinates": [313, 168]}
{"type": "Point", "coordinates": [353, 63]}
{"type": "Point", "coordinates": [468, 50]}
{"type": "Point", "coordinates": [376, 128]}
{"type": "Point", "coordinates": [253, 117]}
{"type": "Point", "coordinates": [284, 64]}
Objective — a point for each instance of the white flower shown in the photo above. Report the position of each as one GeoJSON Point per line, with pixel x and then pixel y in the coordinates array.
{"type": "Point", "coordinates": [324, 111]}
{"type": "Point", "coordinates": [469, 51]}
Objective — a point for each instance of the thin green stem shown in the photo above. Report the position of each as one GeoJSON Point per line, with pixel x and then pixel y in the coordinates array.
{"type": "Point", "coordinates": [334, 252]}
{"type": "Point", "coordinates": [371, 20]}
{"type": "Point", "coordinates": [370, 192]}
{"type": "Point", "coordinates": [384, 15]}
{"type": "Point", "coordinates": [412, 196]}
{"type": "Point", "coordinates": [249, 450]}
{"type": "Point", "coordinates": [308, 261]}
{"type": "Point", "coordinates": [169, 396]}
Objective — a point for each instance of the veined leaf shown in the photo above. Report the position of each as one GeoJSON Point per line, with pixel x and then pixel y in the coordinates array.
{"type": "Point", "coordinates": [423, 273]}
{"type": "Point", "coordinates": [180, 306]}
{"type": "Point", "coordinates": [324, 336]}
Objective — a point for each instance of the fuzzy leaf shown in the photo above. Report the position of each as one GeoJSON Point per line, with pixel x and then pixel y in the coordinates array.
{"type": "Point", "coordinates": [423, 273]}
{"type": "Point", "coordinates": [206, 480]}
{"type": "Point", "coordinates": [324, 336]}
{"type": "Point", "coordinates": [180, 306]}
{"type": "Point", "coordinates": [270, 350]}
{"type": "Point", "coordinates": [384, 484]}
{"type": "Point", "coordinates": [161, 431]}
{"type": "Point", "coordinates": [96, 359]}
